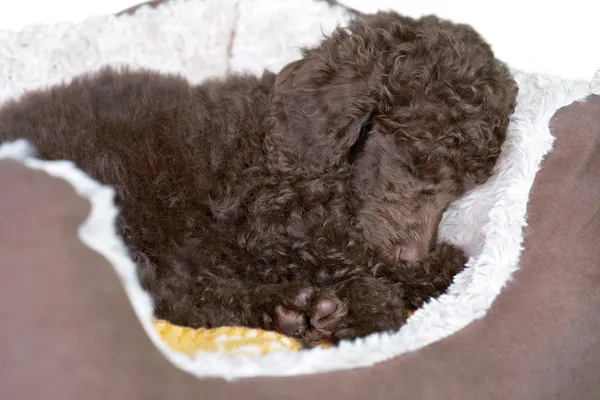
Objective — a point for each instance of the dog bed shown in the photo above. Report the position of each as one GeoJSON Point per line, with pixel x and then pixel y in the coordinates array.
{"type": "Point", "coordinates": [229, 36]}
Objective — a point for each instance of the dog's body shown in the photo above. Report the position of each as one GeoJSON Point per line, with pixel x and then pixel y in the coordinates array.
{"type": "Point", "coordinates": [305, 202]}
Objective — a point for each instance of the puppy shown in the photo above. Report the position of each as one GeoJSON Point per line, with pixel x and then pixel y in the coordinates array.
{"type": "Point", "coordinates": [306, 202]}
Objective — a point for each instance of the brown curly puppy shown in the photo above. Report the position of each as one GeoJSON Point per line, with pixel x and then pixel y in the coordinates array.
{"type": "Point", "coordinates": [305, 202]}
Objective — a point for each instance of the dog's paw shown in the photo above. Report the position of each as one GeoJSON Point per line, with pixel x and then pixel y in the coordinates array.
{"type": "Point", "coordinates": [374, 305]}
{"type": "Point", "coordinates": [309, 314]}
{"type": "Point", "coordinates": [435, 275]}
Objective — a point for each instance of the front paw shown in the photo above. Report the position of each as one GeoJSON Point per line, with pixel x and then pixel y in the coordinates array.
{"type": "Point", "coordinates": [444, 263]}
{"type": "Point", "coordinates": [373, 306]}
{"type": "Point", "coordinates": [433, 277]}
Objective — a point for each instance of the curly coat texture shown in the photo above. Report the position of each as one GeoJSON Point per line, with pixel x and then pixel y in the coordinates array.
{"type": "Point", "coordinates": [305, 202]}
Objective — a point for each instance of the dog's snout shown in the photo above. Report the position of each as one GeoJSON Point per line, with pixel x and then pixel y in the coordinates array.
{"type": "Point", "coordinates": [411, 253]}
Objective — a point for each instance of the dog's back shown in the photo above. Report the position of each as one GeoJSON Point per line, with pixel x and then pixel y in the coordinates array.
{"type": "Point", "coordinates": [164, 144]}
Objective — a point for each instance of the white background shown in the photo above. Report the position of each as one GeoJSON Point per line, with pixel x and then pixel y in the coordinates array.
{"type": "Point", "coordinates": [556, 37]}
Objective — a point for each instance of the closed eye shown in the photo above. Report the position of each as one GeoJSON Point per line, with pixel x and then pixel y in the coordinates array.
{"type": "Point", "coordinates": [359, 145]}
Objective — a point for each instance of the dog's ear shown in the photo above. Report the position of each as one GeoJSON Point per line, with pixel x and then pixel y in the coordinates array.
{"type": "Point", "coordinates": [322, 102]}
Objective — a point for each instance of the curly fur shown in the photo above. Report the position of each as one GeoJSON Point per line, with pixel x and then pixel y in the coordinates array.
{"type": "Point", "coordinates": [306, 201]}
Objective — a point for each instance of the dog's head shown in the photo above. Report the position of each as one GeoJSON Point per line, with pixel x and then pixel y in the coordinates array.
{"type": "Point", "coordinates": [418, 109]}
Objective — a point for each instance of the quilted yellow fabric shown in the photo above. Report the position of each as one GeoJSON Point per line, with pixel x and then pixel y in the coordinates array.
{"type": "Point", "coordinates": [233, 339]}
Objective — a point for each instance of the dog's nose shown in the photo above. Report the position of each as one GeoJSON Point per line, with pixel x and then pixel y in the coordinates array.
{"type": "Point", "coordinates": [411, 253]}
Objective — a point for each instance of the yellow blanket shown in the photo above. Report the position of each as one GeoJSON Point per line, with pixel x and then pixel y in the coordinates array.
{"type": "Point", "coordinates": [234, 339]}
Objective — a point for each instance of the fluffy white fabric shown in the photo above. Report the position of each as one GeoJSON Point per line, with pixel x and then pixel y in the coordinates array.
{"type": "Point", "coordinates": [23, 13]}
{"type": "Point", "coordinates": [197, 39]}
{"type": "Point", "coordinates": [191, 38]}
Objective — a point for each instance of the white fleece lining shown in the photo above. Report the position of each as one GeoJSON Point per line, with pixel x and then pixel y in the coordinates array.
{"type": "Point", "coordinates": [488, 222]}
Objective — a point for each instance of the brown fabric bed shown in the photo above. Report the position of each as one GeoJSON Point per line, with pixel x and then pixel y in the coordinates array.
{"type": "Point", "coordinates": [64, 306]}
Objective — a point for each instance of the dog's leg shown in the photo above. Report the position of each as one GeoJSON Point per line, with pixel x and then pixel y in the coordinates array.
{"type": "Point", "coordinates": [188, 295]}
{"type": "Point", "coordinates": [424, 280]}
{"type": "Point", "coordinates": [374, 305]}
{"type": "Point", "coordinates": [432, 277]}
